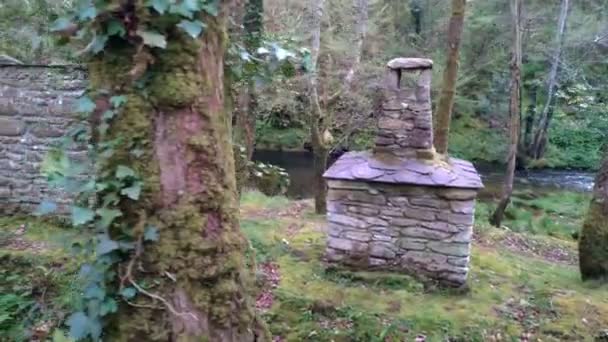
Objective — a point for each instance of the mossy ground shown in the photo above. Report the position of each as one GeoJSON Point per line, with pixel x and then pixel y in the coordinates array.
{"type": "Point", "coordinates": [517, 291]}
{"type": "Point", "coordinates": [522, 286]}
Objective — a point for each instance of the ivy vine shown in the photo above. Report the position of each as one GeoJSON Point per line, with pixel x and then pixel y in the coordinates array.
{"type": "Point", "coordinates": [98, 190]}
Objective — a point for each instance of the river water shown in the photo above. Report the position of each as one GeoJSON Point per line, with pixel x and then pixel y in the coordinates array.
{"type": "Point", "coordinates": [299, 167]}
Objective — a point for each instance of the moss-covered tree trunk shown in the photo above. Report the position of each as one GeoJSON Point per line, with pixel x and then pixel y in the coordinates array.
{"type": "Point", "coordinates": [593, 242]}
{"type": "Point", "coordinates": [448, 90]}
{"type": "Point", "coordinates": [193, 283]}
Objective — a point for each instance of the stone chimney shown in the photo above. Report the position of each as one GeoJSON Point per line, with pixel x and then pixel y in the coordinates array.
{"type": "Point", "coordinates": [405, 124]}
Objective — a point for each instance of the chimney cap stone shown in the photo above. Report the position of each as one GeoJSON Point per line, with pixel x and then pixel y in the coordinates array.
{"type": "Point", "coordinates": [410, 63]}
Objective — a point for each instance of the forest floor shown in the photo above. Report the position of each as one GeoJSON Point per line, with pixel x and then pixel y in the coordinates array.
{"type": "Point", "coordinates": [522, 286]}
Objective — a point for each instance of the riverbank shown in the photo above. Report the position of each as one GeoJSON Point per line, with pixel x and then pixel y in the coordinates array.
{"type": "Point", "coordinates": [523, 286]}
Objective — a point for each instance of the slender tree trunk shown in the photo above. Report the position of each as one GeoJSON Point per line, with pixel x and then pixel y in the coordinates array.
{"type": "Point", "coordinates": [543, 125]}
{"type": "Point", "coordinates": [319, 122]}
{"type": "Point", "coordinates": [246, 98]}
{"type": "Point", "coordinates": [196, 282]}
{"type": "Point", "coordinates": [530, 116]}
{"type": "Point", "coordinates": [254, 31]}
{"type": "Point", "coordinates": [514, 105]}
{"type": "Point", "coordinates": [446, 101]}
{"type": "Point", "coordinates": [593, 242]}
{"type": "Point", "coordinates": [361, 8]}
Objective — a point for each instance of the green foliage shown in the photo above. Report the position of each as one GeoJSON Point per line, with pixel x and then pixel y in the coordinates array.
{"type": "Point", "coordinates": [270, 179]}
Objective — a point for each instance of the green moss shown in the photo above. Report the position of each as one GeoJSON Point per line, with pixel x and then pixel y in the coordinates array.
{"type": "Point", "coordinates": [593, 244]}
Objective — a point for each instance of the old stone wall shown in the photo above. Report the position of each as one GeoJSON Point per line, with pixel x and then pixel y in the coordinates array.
{"type": "Point", "coordinates": [419, 230]}
{"type": "Point", "coordinates": [36, 106]}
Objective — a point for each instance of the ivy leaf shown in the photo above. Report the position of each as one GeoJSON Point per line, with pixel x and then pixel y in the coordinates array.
{"type": "Point", "coordinates": [94, 292]}
{"type": "Point", "coordinates": [151, 233]}
{"type": "Point", "coordinates": [133, 191]}
{"type": "Point", "coordinates": [193, 28]}
{"type": "Point", "coordinates": [85, 105]}
{"type": "Point", "coordinates": [108, 115]}
{"type": "Point", "coordinates": [159, 6]}
{"type": "Point", "coordinates": [128, 292]}
{"type": "Point", "coordinates": [81, 215]}
{"type": "Point", "coordinates": [110, 199]}
{"type": "Point", "coordinates": [211, 9]}
{"type": "Point", "coordinates": [108, 306]}
{"type": "Point", "coordinates": [107, 216]}
{"type": "Point", "coordinates": [79, 325]}
{"type": "Point", "coordinates": [123, 172]}
{"type": "Point", "coordinates": [61, 24]}
{"type": "Point", "coordinates": [103, 128]}
{"type": "Point", "coordinates": [116, 28]}
{"type": "Point", "coordinates": [137, 152]}
{"type": "Point", "coordinates": [118, 101]}
{"type": "Point", "coordinates": [153, 39]}
{"type": "Point", "coordinates": [46, 207]}
{"type": "Point", "coordinates": [98, 44]}
{"type": "Point", "coordinates": [59, 336]}
{"type": "Point", "coordinates": [186, 8]}
{"type": "Point", "coordinates": [86, 11]}
{"type": "Point", "coordinates": [106, 245]}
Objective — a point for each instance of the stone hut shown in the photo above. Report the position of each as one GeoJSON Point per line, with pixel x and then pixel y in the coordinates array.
{"type": "Point", "coordinates": [402, 207]}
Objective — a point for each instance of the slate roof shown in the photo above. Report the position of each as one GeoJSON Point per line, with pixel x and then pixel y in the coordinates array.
{"type": "Point", "coordinates": [365, 166]}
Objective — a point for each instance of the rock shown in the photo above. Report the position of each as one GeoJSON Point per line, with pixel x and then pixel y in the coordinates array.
{"type": "Point", "coordinates": [403, 222]}
{"type": "Point", "coordinates": [346, 220]}
{"type": "Point", "coordinates": [429, 203]}
{"type": "Point", "coordinates": [419, 214]}
{"type": "Point", "coordinates": [412, 244]}
{"type": "Point", "coordinates": [358, 236]}
{"type": "Point", "coordinates": [391, 213]}
{"type": "Point", "coordinates": [463, 207]}
{"type": "Point", "coordinates": [441, 226]}
{"type": "Point", "coordinates": [417, 232]}
{"type": "Point", "coordinates": [336, 207]}
{"type": "Point", "coordinates": [456, 278]}
{"type": "Point", "coordinates": [363, 210]}
{"type": "Point", "coordinates": [11, 127]}
{"type": "Point", "coordinates": [458, 194]}
{"type": "Point", "coordinates": [399, 201]}
{"type": "Point", "coordinates": [464, 236]}
{"type": "Point", "coordinates": [461, 219]}
{"type": "Point", "coordinates": [375, 221]}
{"type": "Point", "coordinates": [377, 262]}
{"type": "Point", "coordinates": [382, 250]}
{"type": "Point", "coordinates": [335, 230]}
{"type": "Point", "coordinates": [452, 249]}
{"type": "Point", "coordinates": [387, 231]}
{"type": "Point", "coordinates": [341, 244]}
{"type": "Point", "coordinates": [381, 237]}
{"type": "Point", "coordinates": [459, 261]}
{"type": "Point", "coordinates": [410, 63]}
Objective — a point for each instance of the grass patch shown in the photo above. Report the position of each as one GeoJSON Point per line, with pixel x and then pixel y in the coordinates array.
{"type": "Point", "coordinates": [558, 214]}
{"type": "Point", "coordinates": [37, 278]}
{"type": "Point", "coordinates": [511, 294]}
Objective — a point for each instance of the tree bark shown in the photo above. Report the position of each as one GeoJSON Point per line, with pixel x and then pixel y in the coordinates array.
{"type": "Point", "coordinates": [514, 106]}
{"type": "Point", "coordinates": [246, 98]}
{"type": "Point", "coordinates": [361, 8]}
{"type": "Point", "coordinates": [530, 117]}
{"type": "Point", "coordinates": [319, 122]}
{"type": "Point", "coordinates": [446, 101]}
{"type": "Point", "coordinates": [545, 118]}
{"type": "Point", "coordinates": [197, 284]}
{"type": "Point", "coordinates": [593, 242]}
